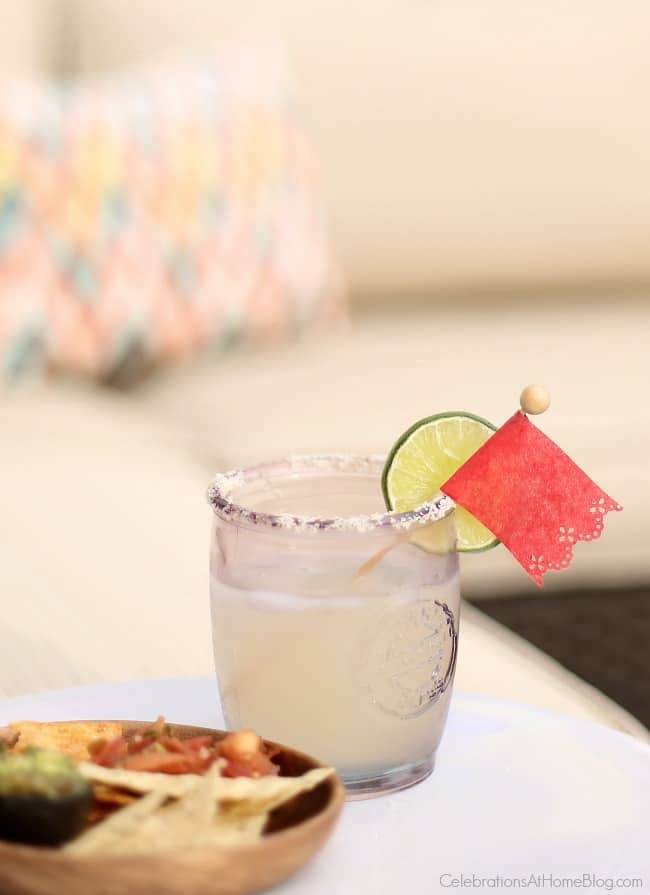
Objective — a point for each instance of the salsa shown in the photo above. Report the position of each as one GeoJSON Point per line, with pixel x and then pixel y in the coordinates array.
{"type": "Point", "coordinates": [155, 749]}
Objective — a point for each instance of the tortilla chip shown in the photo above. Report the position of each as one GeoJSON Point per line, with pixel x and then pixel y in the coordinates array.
{"type": "Point", "coordinates": [240, 819]}
{"type": "Point", "coordinates": [245, 795]}
{"type": "Point", "coordinates": [235, 832]}
{"type": "Point", "coordinates": [173, 785]}
{"type": "Point", "coordinates": [8, 737]}
{"type": "Point", "coordinates": [156, 829]}
{"type": "Point", "coordinates": [71, 738]}
{"type": "Point", "coordinates": [230, 827]}
{"type": "Point", "coordinates": [184, 823]}
{"type": "Point", "coordinates": [117, 829]}
{"type": "Point", "coordinates": [200, 817]}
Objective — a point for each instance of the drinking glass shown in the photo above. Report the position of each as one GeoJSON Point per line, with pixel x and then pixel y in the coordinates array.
{"type": "Point", "coordinates": [335, 622]}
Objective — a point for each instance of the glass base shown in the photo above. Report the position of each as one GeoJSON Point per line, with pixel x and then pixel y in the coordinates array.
{"type": "Point", "coordinates": [391, 781]}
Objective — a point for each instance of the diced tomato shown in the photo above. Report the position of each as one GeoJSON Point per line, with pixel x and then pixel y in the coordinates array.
{"type": "Point", "coordinates": [111, 753]}
{"type": "Point", "coordinates": [139, 744]}
{"type": "Point", "coordinates": [155, 750]}
{"type": "Point", "coordinates": [255, 765]}
{"type": "Point", "coordinates": [198, 743]}
{"type": "Point", "coordinates": [163, 763]}
{"type": "Point", "coordinates": [264, 765]}
{"type": "Point", "coordinates": [204, 764]}
{"type": "Point", "coordinates": [173, 744]}
{"type": "Point", "coordinates": [237, 769]}
{"type": "Point", "coordinates": [240, 744]}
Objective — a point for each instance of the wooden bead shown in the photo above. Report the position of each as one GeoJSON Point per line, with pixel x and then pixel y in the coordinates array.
{"type": "Point", "coordinates": [534, 399]}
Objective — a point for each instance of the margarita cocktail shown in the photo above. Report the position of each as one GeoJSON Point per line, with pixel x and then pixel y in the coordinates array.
{"type": "Point", "coordinates": [335, 622]}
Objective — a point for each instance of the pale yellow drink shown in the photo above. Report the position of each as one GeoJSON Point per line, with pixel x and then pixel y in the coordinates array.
{"type": "Point", "coordinates": [353, 668]}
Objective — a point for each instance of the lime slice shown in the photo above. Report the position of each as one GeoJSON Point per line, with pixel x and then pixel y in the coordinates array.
{"type": "Point", "coordinates": [422, 460]}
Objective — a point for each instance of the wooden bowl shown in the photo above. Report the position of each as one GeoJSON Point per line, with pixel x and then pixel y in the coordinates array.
{"type": "Point", "coordinates": [294, 833]}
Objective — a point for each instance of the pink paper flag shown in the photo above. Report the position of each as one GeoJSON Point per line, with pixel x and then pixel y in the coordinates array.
{"type": "Point", "coordinates": [531, 496]}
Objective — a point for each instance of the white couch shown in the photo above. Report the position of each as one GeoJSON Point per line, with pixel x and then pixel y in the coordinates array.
{"type": "Point", "coordinates": [443, 169]}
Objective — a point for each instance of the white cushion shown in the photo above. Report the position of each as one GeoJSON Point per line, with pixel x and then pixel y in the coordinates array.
{"type": "Point", "coordinates": [462, 143]}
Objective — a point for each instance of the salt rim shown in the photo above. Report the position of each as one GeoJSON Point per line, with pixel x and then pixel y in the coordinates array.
{"type": "Point", "coordinates": [222, 489]}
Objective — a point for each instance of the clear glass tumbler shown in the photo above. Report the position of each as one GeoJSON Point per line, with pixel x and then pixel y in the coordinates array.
{"type": "Point", "coordinates": [334, 622]}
